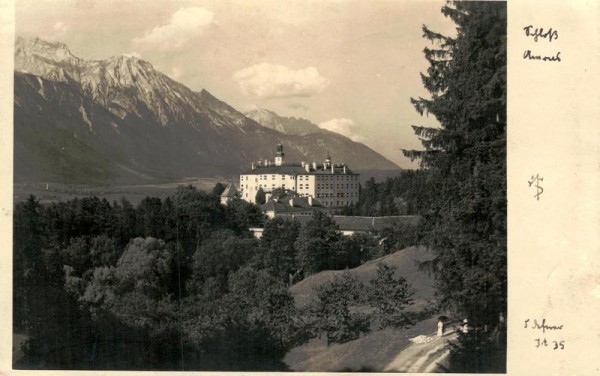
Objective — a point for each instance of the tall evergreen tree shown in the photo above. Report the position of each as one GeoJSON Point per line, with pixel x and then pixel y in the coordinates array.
{"type": "Point", "coordinates": [466, 158]}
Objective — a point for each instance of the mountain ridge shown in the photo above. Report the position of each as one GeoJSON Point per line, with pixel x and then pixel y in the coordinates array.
{"type": "Point", "coordinates": [287, 125]}
{"type": "Point", "coordinates": [129, 122]}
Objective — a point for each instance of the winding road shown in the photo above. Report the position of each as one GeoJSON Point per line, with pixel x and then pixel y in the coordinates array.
{"type": "Point", "coordinates": [423, 357]}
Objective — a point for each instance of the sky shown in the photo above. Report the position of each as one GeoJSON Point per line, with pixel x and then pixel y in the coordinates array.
{"type": "Point", "coordinates": [349, 66]}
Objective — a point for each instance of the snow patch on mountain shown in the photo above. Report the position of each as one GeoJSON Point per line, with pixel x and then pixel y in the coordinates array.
{"type": "Point", "coordinates": [85, 117]}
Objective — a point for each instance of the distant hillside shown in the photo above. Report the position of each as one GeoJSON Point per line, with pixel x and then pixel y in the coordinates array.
{"type": "Point", "coordinates": [120, 121]}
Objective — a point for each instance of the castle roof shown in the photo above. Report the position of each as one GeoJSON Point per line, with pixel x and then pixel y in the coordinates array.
{"type": "Point", "coordinates": [297, 169]}
{"type": "Point", "coordinates": [231, 191]}
{"type": "Point", "coordinates": [287, 201]}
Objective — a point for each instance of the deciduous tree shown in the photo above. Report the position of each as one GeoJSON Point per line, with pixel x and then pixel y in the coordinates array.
{"type": "Point", "coordinates": [390, 295]}
{"type": "Point", "coordinates": [336, 311]}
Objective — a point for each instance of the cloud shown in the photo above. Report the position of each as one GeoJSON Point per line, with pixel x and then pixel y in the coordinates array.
{"type": "Point", "coordinates": [185, 24]}
{"type": "Point", "coordinates": [133, 54]}
{"type": "Point", "coordinates": [60, 28]}
{"type": "Point", "coordinates": [175, 73]}
{"type": "Point", "coordinates": [277, 81]}
{"type": "Point", "coordinates": [57, 31]}
{"type": "Point", "coordinates": [297, 106]}
{"type": "Point", "coordinates": [342, 126]}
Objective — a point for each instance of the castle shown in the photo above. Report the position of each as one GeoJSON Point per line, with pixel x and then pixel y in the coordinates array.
{"type": "Point", "coordinates": [333, 185]}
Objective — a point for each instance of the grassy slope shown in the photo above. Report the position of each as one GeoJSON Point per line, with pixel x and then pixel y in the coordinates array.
{"type": "Point", "coordinates": [376, 350]}
{"type": "Point", "coordinates": [405, 261]}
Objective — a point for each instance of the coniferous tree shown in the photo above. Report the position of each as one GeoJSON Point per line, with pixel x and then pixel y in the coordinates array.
{"type": "Point", "coordinates": [218, 189]}
{"type": "Point", "coordinates": [465, 159]}
{"type": "Point", "coordinates": [261, 197]}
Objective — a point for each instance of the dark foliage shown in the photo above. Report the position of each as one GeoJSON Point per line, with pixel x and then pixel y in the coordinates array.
{"type": "Point", "coordinates": [465, 163]}
{"type": "Point", "coordinates": [218, 189]}
{"type": "Point", "coordinates": [466, 159]}
{"type": "Point", "coordinates": [335, 312]}
{"type": "Point", "coordinates": [315, 244]}
{"type": "Point", "coordinates": [101, 286]}
{"type": "Point", "coordinates": [175, 283]}
{"type": "Point", "coordinates": [389, 295]}
{"type": "Point", "coordinates": [277, 254]}
{"type": "Point", "coordinates": [405, 194]}
{"type": "Point", "coordinates": [479, 352]}
{"type": "Point", "coordinates": [399, 236]}
{"type": "Point", "coordinates": [261, 197]}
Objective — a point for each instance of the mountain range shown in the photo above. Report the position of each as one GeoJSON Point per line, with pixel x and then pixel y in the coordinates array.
{"type": "Point", "coordinates": [80, 121]}
{"type": "Point", "coordinates": [285, 125]}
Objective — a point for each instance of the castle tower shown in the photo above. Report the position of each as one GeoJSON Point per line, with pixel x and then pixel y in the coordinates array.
{"type": "Point", "coordinates": [327, 163]}
{"type": "Point", "coordinates": [279, 156]}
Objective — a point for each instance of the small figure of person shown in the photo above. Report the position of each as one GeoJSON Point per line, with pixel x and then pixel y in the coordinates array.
{"type": "Point", "coordinates": [465, 326]}
{"type": "Point", "coordinates": [440, 328]}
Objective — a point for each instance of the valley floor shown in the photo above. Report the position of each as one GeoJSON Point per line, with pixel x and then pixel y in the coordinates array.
{"type": "Point", "coordinates": [134, 193]}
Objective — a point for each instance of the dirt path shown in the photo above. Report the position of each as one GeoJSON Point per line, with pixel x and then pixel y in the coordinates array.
{"type": "Point", "coordinates": [422, 357]}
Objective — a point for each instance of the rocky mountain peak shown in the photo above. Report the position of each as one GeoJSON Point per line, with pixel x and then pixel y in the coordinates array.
{"type": "Point", "coordinates": [54, 51]}
{"type": "Point", "coordinates": [51, 60]}
{"type": "Point", "coordinates": [123, 84]}
{"type": "Point", "coordinates": [286, 125]}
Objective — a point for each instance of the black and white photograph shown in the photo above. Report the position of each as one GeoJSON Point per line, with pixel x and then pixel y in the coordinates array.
{"type": "Point", "coordinates": [290, 186]}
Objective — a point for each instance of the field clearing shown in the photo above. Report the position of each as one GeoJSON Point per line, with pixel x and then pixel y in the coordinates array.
{"type": "Point", "coordinates": [134, 193]}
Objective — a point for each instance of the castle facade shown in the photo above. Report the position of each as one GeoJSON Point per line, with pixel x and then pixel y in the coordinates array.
{"type": "Point", "coordinates": [334, 185]}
